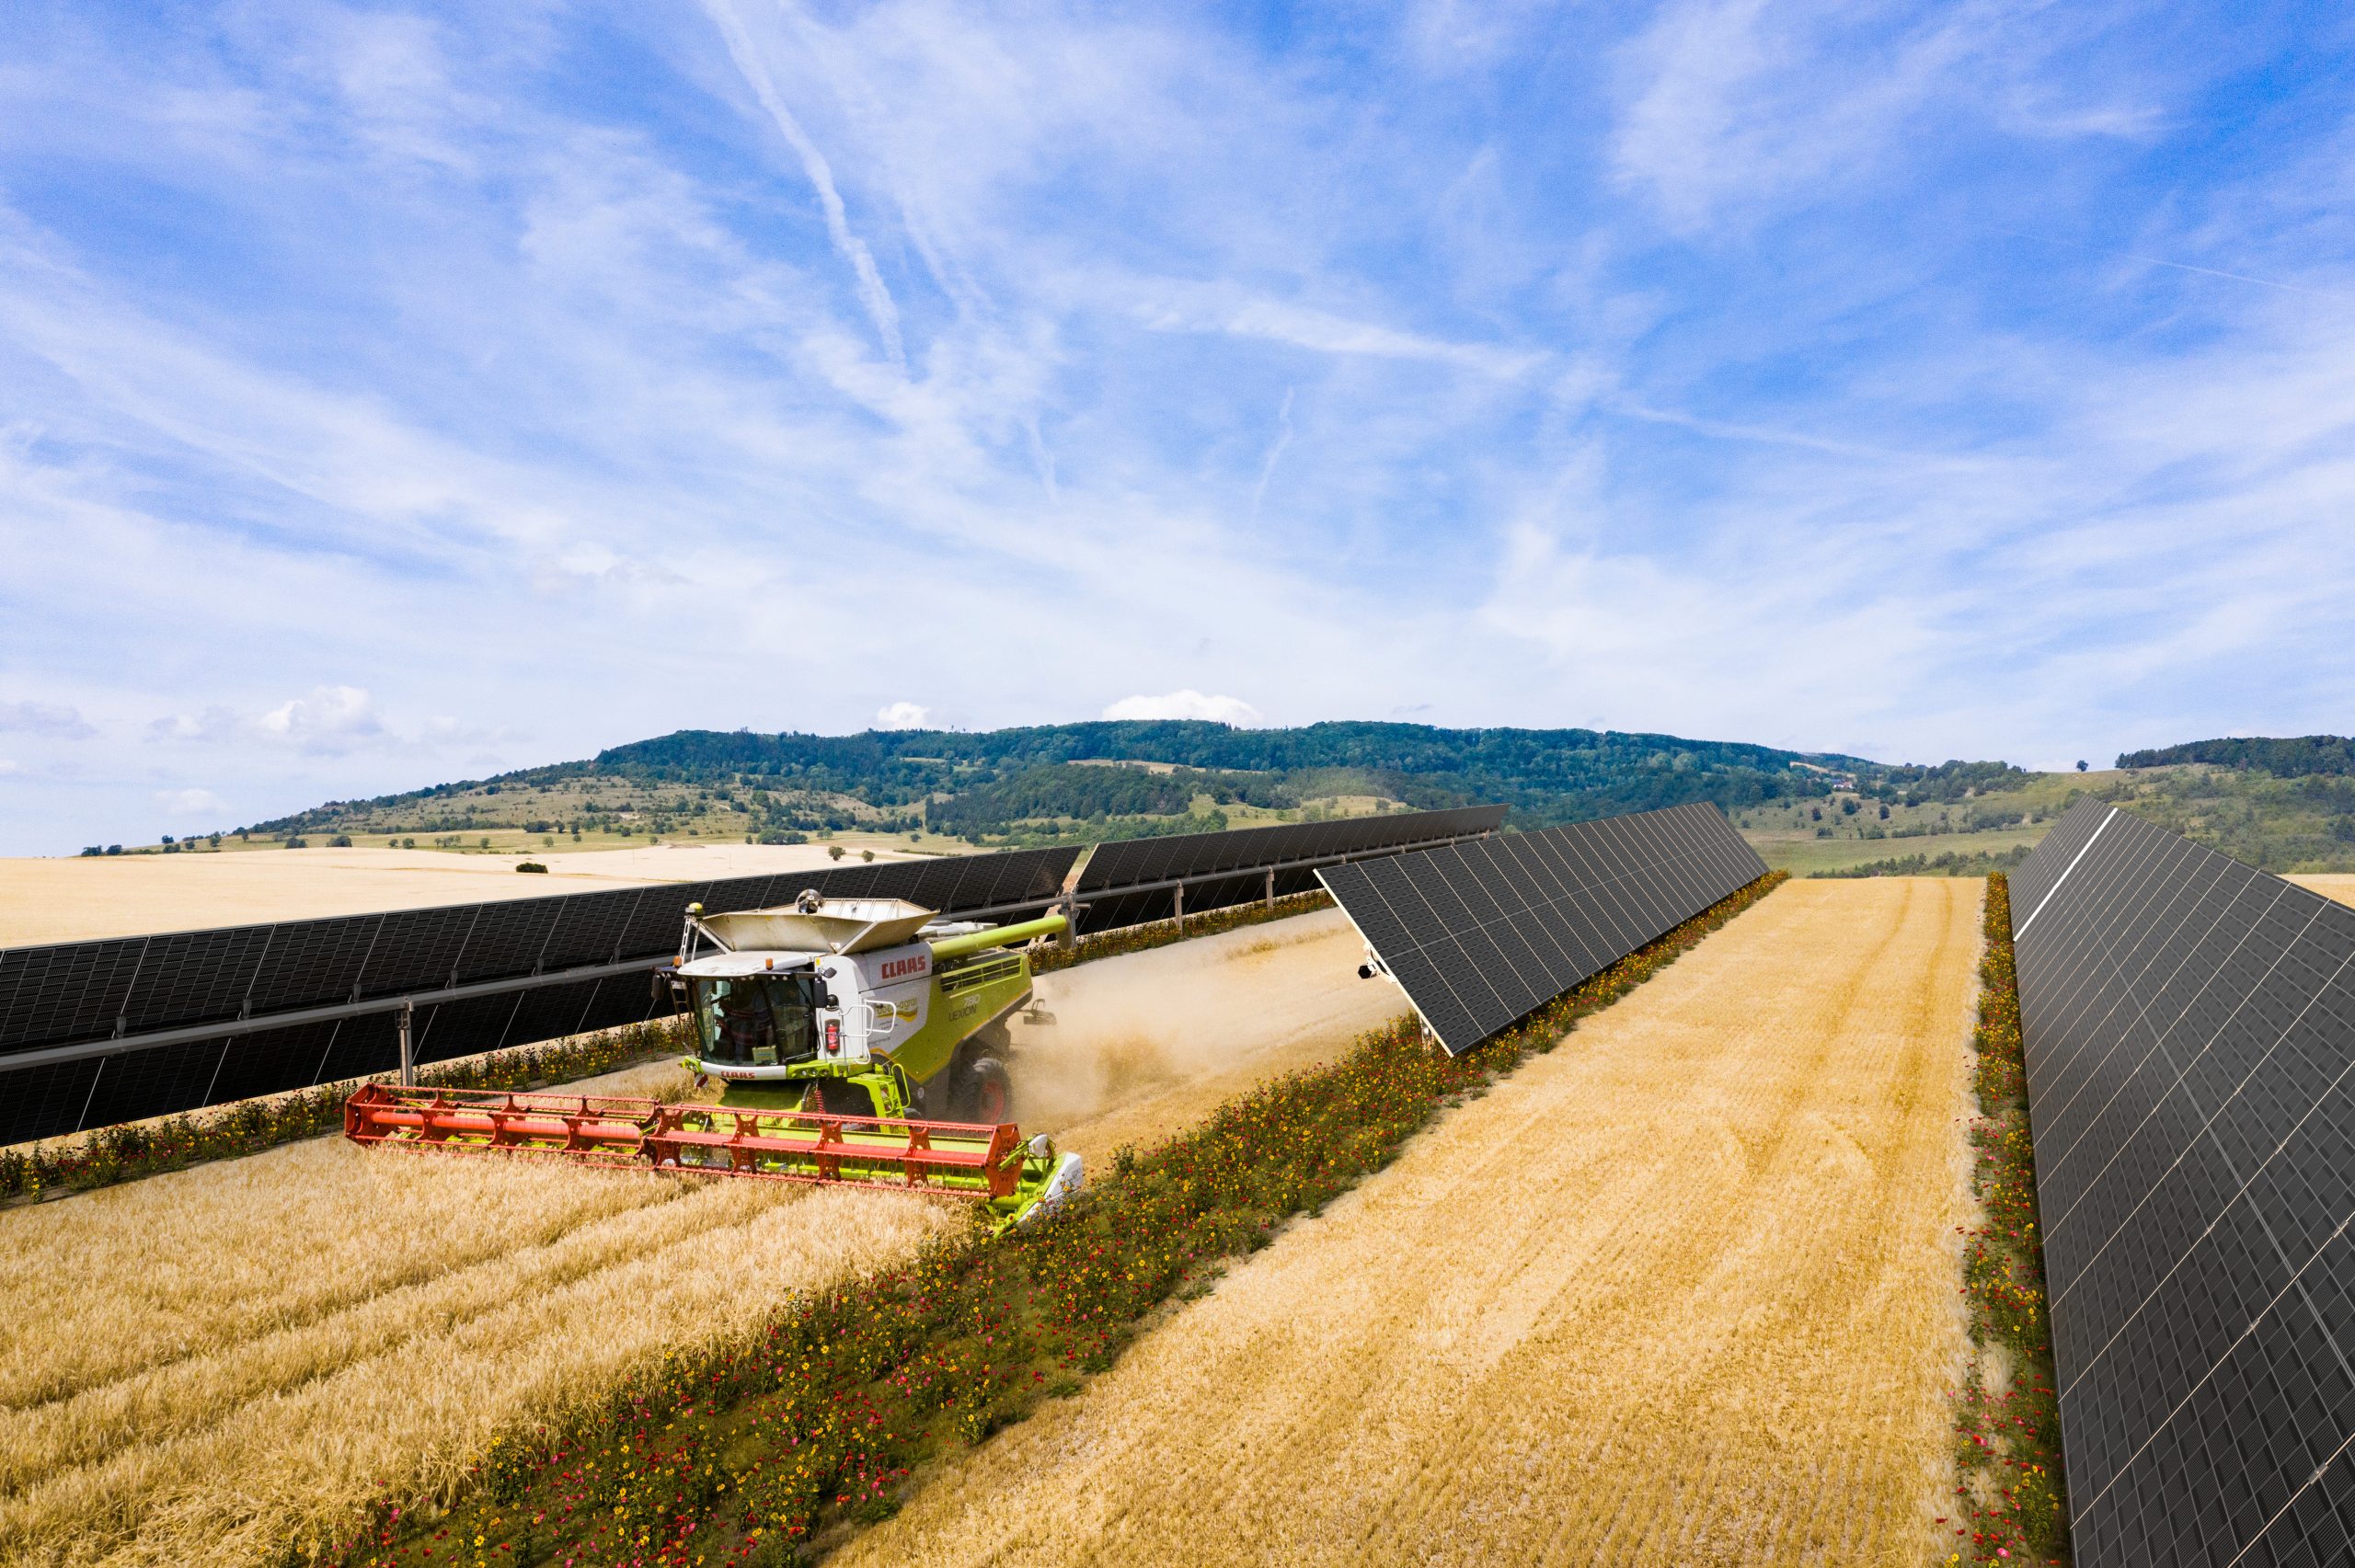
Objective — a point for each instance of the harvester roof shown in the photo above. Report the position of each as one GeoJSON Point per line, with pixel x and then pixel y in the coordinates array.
{"type": "Point", "coordinates": [820, 925]}
{"type": "Point", "coordinates": [732, 966]}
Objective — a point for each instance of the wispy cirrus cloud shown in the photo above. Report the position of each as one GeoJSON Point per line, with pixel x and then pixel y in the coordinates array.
{"type": "Point", "coordinates": [469, 389]}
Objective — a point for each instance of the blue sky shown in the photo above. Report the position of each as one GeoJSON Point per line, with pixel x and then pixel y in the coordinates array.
{"type": "Point", "coordinates": [389, 395]}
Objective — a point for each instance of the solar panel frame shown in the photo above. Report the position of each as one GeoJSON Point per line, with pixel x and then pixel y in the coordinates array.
{"type": "Point", "coordinates": [1481, 935]}
{"type": "Point", "coordinates": [2190, 1029]}
{"type": "Point", "coordinates": [1128, 863]}
{"type": "Point", "coordinates": [71, 992]}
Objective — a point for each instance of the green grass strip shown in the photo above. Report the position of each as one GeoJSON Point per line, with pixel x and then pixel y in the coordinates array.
{"type": "Point", "coordinates": [2011, 1497]}
{"type": "Point", "coordinates": [769, 1449]}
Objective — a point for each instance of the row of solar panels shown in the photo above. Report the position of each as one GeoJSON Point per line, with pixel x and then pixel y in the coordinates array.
{"type": "Point", "coordinates": [94, 1032]}
{"type": "Point", "coordinates": [1134, 881]}
{"type": "Point", "coordinates": [2190, 1026]}
{"type": "Point", "coordinates": [1483, 933]}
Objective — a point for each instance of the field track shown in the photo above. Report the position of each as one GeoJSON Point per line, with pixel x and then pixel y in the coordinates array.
{"type": "Point", "coordinates": [196, 1368]}
{"type": "Point", "coordinates": [1682, 1292]}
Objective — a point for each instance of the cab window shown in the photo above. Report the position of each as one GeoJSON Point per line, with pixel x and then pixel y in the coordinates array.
{"type": "Point", "coordinates": [755, 1020]}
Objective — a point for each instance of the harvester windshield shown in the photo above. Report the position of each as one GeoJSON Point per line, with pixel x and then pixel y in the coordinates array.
{"type": "Point", "coordinates": [756, 1020]}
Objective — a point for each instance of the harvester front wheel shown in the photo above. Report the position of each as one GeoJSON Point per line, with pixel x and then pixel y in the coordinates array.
{"type": "Point", "coordinates": [987, 1093]}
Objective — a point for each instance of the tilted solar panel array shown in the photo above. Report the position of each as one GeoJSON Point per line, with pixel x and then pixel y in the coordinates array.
{"type": "Point", "coordinates": [80, 992]}
{"type": "Point", "coordinates": [1483, 934]}
{"type": "Point", "coordinates": [1129, 881]}
{"type": "Point", "coordinates": [2189, 1027]}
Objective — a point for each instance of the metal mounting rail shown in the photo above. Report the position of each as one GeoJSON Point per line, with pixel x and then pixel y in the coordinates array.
{"type": "Point", "coordinates": [231, 1028]}
{"type": "Point", "coordinates": [1303, 863]}
{"type": "Point", "coordinates": [234, 1028]}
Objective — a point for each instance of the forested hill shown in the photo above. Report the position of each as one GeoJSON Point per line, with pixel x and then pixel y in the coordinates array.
{"type": "Point", "coordinates": [1547, 776]}
{"type": "Point", "coordinates": [2294, 757]}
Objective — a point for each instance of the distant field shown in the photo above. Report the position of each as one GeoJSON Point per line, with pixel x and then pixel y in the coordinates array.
{"type": "Point", "coordinates": [79, 899]}
{"type": "Point", "coordinates": [1804, 854]}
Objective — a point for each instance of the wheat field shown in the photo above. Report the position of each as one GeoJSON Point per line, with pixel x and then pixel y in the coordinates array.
{"type": "Point", "coordinates": [203, 1365]}
{"type": "Point", "coordinates": [1682, 1291]}
{"type": "Point", "coordinates": [214, 1363]}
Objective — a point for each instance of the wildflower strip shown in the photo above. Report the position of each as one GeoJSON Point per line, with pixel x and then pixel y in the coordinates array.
{"type": "Point", "coordinates": [2012, 1500]}
{"type": "Point", "coordinates": [773, 1449]}
{"type": "Point", "coordinates": [111, 1154]}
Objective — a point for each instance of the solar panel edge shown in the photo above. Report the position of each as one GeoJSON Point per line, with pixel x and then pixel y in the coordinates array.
{"type": "Point", "coordinates": [1634, 877]}
{"type": "Point", "coordinates": [2104, 929]}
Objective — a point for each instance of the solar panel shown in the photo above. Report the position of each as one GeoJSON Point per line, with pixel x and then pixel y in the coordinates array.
{"type": "Point", "coordinates": [1130, 881]}
{"type": "Point", "coordinates": [1483, 934]}
{"type": "Point", "coordinates": [1129, 862]}
{"type": "Point", "coordinates": [2189, 1028]}
{"type": "Point", "coordinates": [76, 997]}
{"type": "Point", "coordinates": [83, 994]}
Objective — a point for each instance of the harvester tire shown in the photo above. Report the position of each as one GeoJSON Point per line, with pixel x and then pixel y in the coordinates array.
{"type": "Point", "coordinates": [987, 1093]}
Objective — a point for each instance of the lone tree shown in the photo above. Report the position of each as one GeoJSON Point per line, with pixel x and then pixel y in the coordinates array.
{"type": "Point", "coordinates": [834, 851]}
{"type": "Point", "coordinates": [2081, 764]}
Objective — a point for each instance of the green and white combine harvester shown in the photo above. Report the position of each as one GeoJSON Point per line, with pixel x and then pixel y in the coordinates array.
{"type": "Point", "coordinates": [860, 1041]}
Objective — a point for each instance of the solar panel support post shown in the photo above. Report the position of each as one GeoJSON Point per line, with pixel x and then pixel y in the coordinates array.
{"type": "Point", "coordinates": [1178, 894]}
{"type": "Point", "coordinates": [408, 1047]}
{"type": "Point", "coordinates": [1271, 900]}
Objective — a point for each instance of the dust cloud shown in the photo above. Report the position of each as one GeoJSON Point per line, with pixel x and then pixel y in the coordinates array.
{"type": "Point", "coordinates": [1140, 1041]}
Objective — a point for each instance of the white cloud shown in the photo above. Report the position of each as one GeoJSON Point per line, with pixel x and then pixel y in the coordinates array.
{"type": "Point", "coordinates": [329, 721]}
{"type": "Point", "coordinates": [183, 804]}
{"type": "Point", "coordinates": [903, 715]}
{"type": "Point", "coordinates": [330, 717]}
{"type": "Point", "coordinates": [53, 720]}
{"type": "Point", "coordinates": [1187, 704]}
{"type": "Point", "coordinates": [7, 767]}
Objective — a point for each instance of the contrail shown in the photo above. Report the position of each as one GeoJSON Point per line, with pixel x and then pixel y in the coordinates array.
{"type": "Point", "coordinates": [871, 291]}
{"type": "Point", "coordinates": [2179, 266]}
{"type": "Point", "coordinates": [1275, 452]}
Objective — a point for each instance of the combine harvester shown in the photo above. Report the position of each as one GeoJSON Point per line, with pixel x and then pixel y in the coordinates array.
{"type": "Point", "coordinates": [860, 1041]}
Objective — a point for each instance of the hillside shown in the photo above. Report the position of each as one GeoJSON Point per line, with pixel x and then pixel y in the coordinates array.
{"type": "Point", "coordinates": [2298, 756]}
{"type": "Point", "coordinates": [2281, 805]}
{"type": "Point", "coordinates": [1041, 784]}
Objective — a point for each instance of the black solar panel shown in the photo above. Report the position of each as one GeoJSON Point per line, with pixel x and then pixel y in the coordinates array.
{"type": "Point", "coordinates": [76, 993]}
{"type": "Point", "coordinates": [1481, 935]}
{"type": "Point", "coordinates": [1132, 862]}
{"type": "Point", "coordinates": [2190, 1027]}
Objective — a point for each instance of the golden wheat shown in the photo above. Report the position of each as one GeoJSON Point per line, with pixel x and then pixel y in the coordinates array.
{"type": "Point", "coordinates": [1681, 1292]}
{"type": "Point", "coordinates": [202, 1367]}
{"type": "Point", "coordinates": [240, 1355]}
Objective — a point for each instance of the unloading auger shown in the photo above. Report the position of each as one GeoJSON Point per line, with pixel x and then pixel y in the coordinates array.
{"type": "Point", "coordinates": [861, 1042]}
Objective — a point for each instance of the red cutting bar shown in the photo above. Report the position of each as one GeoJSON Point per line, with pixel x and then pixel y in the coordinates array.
{"type": "Point", "coordinates": [772, 1145]}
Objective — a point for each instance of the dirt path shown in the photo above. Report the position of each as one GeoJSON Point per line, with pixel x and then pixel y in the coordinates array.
{"type": "Point", "coordinates": [1149, 1042]}
{"type": "Point", "coordinates": [1681, 1292]}
{"type": "Point", "coordinates": [203, 1365]}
